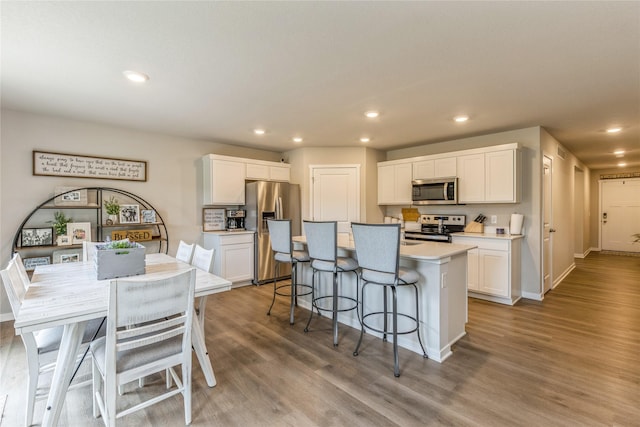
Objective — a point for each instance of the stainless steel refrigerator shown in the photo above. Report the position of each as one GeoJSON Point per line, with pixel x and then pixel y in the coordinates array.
{"type": "Point", "coordinates": [270, 200]}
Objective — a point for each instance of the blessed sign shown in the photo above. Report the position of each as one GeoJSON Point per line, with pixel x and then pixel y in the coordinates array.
{"type": "Point", "coordinates": [77, 166]}
{"type": "Point", "coordinates": [133, 235]}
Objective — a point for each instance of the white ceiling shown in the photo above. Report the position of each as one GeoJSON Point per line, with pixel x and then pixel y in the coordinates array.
{"type": "Point", "coordinates": [220, 69]}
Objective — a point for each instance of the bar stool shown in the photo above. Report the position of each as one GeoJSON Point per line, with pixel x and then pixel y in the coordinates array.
{"type": "Point", "coordinates": [282, 246]}
{"type": "Point", "coordinates": [322, 244]}
{"type": "Point", "coordinates": [378, 251]}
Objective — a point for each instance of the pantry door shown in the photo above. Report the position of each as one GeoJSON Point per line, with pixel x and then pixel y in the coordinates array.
{"type": "Point", "coordinates": [620, 214]}
{"type": "Point", "coordinates": [335, 194]}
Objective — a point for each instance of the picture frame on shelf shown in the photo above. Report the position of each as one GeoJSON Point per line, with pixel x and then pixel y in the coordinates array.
{"type": "Point", "coordinates": [30, 264]}
{"type": "Point", "coordinates": [79, 232]}
{"type": "Point", "coordinates": [148, 216]}
{"type": "Point", "coordinates": [42, 236]}
{"type": "Point", "coordinates": [129, 214]}
{"type": "Point", "coordinates": [70, 196]}
{"type": "Point", "coordinates": [63, 240]}
{"type": "Point", "coordinates": [67, 255]}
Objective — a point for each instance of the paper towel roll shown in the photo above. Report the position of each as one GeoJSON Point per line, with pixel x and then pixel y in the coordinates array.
{"type": "Point", "coordinates": [516, 224]}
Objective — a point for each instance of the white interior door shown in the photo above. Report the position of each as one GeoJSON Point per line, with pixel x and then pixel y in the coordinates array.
{"type": "Point", "coordinates": [547, 230]}
{"type": "Point", "coordinates": [335, 194]}
{"type": "Point", "coordinates": [620, 214]}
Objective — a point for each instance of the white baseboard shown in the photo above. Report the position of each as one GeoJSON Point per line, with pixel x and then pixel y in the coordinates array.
{"type": "Point", "coordinates": [559, 279]}
{"type": "Point", "coordinates": [5, 317]}
{"type": "Point", "coordinates": [532, 295]}
{"type": "Point", "coordinates": [584, 255]}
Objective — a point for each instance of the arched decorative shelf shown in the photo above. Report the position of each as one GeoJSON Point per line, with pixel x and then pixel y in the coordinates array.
{"type": "Point", "coordinates": [85, 205]}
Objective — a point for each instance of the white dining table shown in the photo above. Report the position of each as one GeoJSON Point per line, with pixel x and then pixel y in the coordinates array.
{"type": "Point", "coordinates": [70, 294]}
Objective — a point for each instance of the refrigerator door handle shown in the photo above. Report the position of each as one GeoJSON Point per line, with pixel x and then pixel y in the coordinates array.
{"type": "Point", "coordinates": [279, 208]}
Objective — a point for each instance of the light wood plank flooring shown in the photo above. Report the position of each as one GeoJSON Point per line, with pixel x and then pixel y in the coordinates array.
{"type": "Point", "coordinates": [570, 360]}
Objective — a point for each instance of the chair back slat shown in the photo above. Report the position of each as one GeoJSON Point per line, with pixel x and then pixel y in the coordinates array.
{"type": "Point", "coordinates": [89, 251]}
{"type": "Point", "coordinates": [203, 258]}
{"type": "Point", "coordinates": [377, 246]}
{"type": "Point", "coordinates": [184, 252]}
{"type": "Point", "coordinates": [280, 235]}
{"type": "Point", "coordinates": [14, 284]}
{"type": "Point", "coordinates": [322, 239]}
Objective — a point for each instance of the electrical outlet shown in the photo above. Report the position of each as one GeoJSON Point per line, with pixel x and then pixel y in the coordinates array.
{"type": "Point", "coordinates": [494, 219]}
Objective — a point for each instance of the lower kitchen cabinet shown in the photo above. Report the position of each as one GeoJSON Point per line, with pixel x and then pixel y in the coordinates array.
{"type": "Point", "coordinates": [234, 255]}
{"type": "Point", "coordinates": [493, 268]}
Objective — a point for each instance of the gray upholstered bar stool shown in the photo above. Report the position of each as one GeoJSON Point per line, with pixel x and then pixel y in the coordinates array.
{"type": "Point", "coordinates": [282, 246]}
{"type": "Point", "coordinates": [378, 251]}
{"type": "Point", "coordinates": [322, 244]}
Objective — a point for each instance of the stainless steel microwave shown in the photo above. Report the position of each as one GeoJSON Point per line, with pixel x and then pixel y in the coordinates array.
{"type": "Point", "coordinates": [437, 191]}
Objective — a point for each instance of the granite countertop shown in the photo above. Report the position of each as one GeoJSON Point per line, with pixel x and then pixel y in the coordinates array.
{"type": "Point", "coordinates": [490, 236]}
{"type": "Point", "coordinates": [412, 250]}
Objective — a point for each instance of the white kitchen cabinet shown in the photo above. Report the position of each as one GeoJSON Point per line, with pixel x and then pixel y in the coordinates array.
{"type": "Point", "coordinates": [493, 268]}
{"type": "Point", "coordinates": [234, 255]}
{"type": "Point", "coordinates": [268, 171]}
{"type": "Point", "coordinates": [435, 168]}
{"type": "Point", "coordinates": [471, 176]}
{"type": "Point", "coordinates": [223, 180]}
{"type": "Point", "coordinates": [490, 177]}
{"type": "Point", "coordinates": [502, 183]}
{"type": "Point", "coordinates": [394, 184]}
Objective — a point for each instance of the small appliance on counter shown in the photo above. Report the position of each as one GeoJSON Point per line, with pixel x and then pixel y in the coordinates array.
{"type": "Point", "coordinates": [235, 219]}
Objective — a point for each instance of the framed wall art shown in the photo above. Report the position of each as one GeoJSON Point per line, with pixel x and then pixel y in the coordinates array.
{"type": "Point", "coordinates": [213, 219]}
{"type": "Point", "coordinates": [37, 236]}
{"type": "Point", "coordinates": [129, 214]}
{"type": "Point", "coordinates": [81, 166]}
{"type": "Point", "coordinates": [79, 232]}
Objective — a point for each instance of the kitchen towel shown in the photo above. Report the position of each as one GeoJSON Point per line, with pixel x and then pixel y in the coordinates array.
{"type": "Point", "coordinates": [516, 224]}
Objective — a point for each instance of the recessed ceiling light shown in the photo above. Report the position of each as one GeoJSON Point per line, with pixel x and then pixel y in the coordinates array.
{"type": "Point", "coordinates": [614, 130]}
{"type": "Point", "coordinates": [461, 119]}
{"type": "Point", "coordinates": [622, 164]}
{"type": "Point", "coordinates": [372, 114]}
{"type": "Point", "coordinates": [135, 76]}
{"type": "Point", "coordinates": [259, 131]}
{"type": "Point", "coordinates": [365, 139]}
{"type": "Point", "coordinates": [617, 152]}
{"type": "Point", "coordinates": [297, 139]}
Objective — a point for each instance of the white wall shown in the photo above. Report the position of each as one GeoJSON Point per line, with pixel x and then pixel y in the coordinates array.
{"type": "Point", "coordinates": [563, 200]}
{"type": "Point", "coordinates": [174, 184]}
{"type": "Point", "coordinates": [530, 205]}
{"type": "Point", "coordinates": [301, 158]}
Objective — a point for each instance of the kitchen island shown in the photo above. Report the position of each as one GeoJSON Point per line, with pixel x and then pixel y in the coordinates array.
{"type": "Point", "coordinates": [442, 292]}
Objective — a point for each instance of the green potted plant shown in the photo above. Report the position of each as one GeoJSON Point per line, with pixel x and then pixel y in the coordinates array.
{"type": "Point", "coordinates": [60, 221]}
{"type": "Point", "coordinates": [112, 207]}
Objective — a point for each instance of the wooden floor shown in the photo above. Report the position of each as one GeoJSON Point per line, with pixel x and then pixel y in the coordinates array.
{"type": "Point", "coordinates": [573, 359]}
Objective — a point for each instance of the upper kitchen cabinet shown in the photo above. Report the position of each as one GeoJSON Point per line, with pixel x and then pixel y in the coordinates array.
{"type": "Point", "coordinates": [492, 176]}
{"type": "Point", "coordinates": [268, 171]}
{"type": "Point", "coordinates": [394, 183]}
{"type": "Point", "coordinates": [223, 180]}
{"type": "Point", "coordinates": [435, 168]}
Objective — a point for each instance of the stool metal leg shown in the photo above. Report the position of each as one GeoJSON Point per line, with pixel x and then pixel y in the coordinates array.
{"type": "Point", "coordinates": [313, 299]}
{"type": "Point", "coordinates": [355, 352]}
{"type": "Point", "coordinates": [396, 361]}
{"type": "Point", "coordinates": [335, 308]}
{"type": "Point", "coordinates": [275, 285]}
{"type": "Point", "coordinates": [424, 352]}
{"type": "Point", "coordinates": [294, 289]}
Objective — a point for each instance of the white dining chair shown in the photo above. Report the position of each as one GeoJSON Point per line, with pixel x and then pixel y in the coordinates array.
{"type": "Point", "coordinates": [184, 252]}
{"type": "Point", "coordinates": [202, 259]}
{"type": "Point", "coordinates": [148, 331]}
{"type": "Point", "coordinates": [41, 347]}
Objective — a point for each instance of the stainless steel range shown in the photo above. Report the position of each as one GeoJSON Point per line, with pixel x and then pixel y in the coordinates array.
{"type": "Point", "coordinates": [437, 227]}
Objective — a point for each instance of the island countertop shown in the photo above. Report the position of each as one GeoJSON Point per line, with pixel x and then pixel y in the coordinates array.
{"type": "Point", "coordinates": [430, 251]}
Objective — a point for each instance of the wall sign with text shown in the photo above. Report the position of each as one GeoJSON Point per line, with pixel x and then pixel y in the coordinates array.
{"type": "Point", "coordinates": [78, 166]}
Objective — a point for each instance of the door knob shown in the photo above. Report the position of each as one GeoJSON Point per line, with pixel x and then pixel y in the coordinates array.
{"type": "Point", "coordinates": [552, 230]}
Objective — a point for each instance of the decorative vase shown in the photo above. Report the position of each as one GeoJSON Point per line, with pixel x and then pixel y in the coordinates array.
{"type": "Point", "coordinates": [112, 219]}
